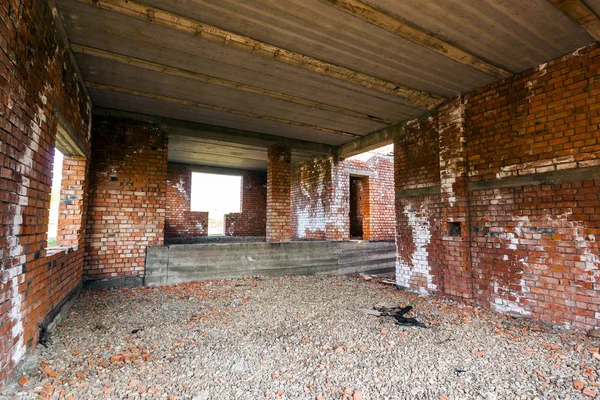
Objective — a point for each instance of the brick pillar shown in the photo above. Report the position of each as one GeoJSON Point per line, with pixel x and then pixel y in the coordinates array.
{"type": "Point", "coordinates": [279, 182]}
{"type": "Point", "coordinates": [455, 199]}
{"type": "Point", "coordinates": [71, 208]}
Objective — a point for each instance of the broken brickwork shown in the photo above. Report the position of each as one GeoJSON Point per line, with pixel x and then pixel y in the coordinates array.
{"type": "Point", "coordinates": [37, 83]}
{"type": "Point", "coordinates": [127, 196]}
{"type": "Point", "coordinates": [321, 196]}
{"type": "Point", "coordinates": [252, 220]}
{"type": "Point", "coordinates": [180, 221]}
{"type": "Point", "coordinates": [498, 195]}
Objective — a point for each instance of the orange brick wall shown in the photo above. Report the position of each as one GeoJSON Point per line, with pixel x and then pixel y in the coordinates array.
{"type": "Point", "coordinates": [127, 195]}
{"type": "Point", "coordinates": [278, 194]}
{"type": "Point", "coordinates": [180, 221]}
{"type": "Point", "coordinates": [252, 220]}
{"type": "Point", "coordinates": [524, 247]}
{"type": "Point", "coordinates": [37, 80]}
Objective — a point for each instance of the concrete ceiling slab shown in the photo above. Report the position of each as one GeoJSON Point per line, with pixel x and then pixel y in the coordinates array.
{"type": "Point", "coordinates": [511, 34]}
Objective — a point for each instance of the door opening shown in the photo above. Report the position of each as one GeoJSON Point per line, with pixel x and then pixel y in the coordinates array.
{"type": "Point", "coordinates": [359, 207]}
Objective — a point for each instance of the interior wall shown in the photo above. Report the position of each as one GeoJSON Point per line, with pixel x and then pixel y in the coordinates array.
{"type": "Point", "coordinates": [519, 173]}
{"type": "Point", "coordinates": [252, 220]}
{"type": "Point", "coordinates": [321, 196]}
{"type": "Point", "coordinates": [37, 81]}
{"type": "Point", "coordinates": [180, 221]}
{"type": "Point", "coordinates": [127, 196]}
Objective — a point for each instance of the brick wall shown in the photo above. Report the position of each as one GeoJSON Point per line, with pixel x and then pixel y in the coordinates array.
{"type": "Point", "coordinates": [252, 220]}
{"type": "Point", "coordinates": [127, 195]}
{"type": "Point", "coordinates": [73, 198]}
{"type": "Point", "coordinates": [520, 174]}
{"type": "Point", "coordinates": [278, 194]}
{"type": "Point", "coordinates": [321, 197]}
{"type": "Point", "coordinates": [419, 263]}
{"type": "Point", "coordinates": [37, 80]}
{"type": "Point", "coordinates": [180, 221]}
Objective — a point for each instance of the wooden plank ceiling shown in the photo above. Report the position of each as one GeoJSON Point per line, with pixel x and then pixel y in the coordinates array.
{"type": "Point", "coordinates": [321, 73]}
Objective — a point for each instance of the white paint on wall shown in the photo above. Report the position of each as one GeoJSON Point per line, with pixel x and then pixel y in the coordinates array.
{"type": "Point", "coordinates": [419, 259]}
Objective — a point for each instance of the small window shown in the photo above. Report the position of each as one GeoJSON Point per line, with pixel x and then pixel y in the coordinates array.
{"type": "Point", "coordinates": [454, 229]}
{"type": "Point", "coordinates": [65, 222]}
{"type": "Point", "coordinates": [218, 195]}
{"type": "Point", "coordinates": [55, 197]}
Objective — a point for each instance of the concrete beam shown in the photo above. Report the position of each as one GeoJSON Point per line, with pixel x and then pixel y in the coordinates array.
{"type": "Point", "coordinates": [184, 73]}
{"type": "Point", "coordinates": [416, 35]}
{"type": "Point", "coordinates": [228, 135]}
{"type": "Point", "coordinates": [580, 13]}
{"type": "Point", "coordinates": [371, 141]}
{"type": "Point", "coordinates": [195, 28]}
{"type": "Point", "coordinates": [215, 170]}
{"type": "Point", "coordinates": [204, 106]}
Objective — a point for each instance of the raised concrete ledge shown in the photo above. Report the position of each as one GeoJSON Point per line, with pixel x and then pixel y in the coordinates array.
{"type": "Point", "coordinates": [196, 262]}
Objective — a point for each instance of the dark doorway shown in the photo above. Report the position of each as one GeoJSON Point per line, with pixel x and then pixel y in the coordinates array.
{"type": "Point", "coordinates": [359, 206]}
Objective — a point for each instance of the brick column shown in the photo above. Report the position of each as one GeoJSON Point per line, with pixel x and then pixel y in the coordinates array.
{"type": "Point", "coordinates": [279, 181]}
{"type": "Point", "coordinates": [455, 199]}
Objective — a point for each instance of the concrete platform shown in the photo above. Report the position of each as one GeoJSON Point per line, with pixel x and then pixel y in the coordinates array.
{"type": "Point", "coordinates": [195, 262]}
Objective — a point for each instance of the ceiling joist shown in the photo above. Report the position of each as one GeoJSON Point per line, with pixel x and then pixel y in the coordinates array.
{"type": "Point", "coordinates": [416, 35]}
{"type": "Point", "coordinates": [189, 26]}
{"type": "Point", "coordinates": [196, 104]}
{"type": "Point", "coordinates": [579, 12]}
{"type": "Point", "coordinates": [184, 73]}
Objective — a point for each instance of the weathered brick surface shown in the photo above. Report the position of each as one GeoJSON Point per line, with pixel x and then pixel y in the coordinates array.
{"type": "Point", "coordinates": [36, 80]}
{"type": "Point", "coordinates": [535, 248]}
{"type": "Point", "coordinates": [321, 197]}
{"type": "Point", "coordinates": [73, 198]}
{"type": "Point", "coordinates": [127, 194]}
{"type": "Point", "coordinates": [419, 245]}
{"type": "Point", "coordinates": [530, 249]}
{"type": "Point", "coordinates": [252, 220]}
{"type": "Point", "coordinates": [278, 194]}
{"type": "Point", "coordinates": [180, 221]}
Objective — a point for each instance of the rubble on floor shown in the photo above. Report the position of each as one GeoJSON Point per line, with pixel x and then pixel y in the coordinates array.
{"type": "Point", "coordinates": [300, 338]}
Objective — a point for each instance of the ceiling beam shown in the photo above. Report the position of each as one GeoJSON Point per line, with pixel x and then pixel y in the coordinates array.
{"type": "Point", "coordinates": [100, 86]}
{"type": "Point", "coordinates": [184, 73]}
{"type": "Point", "coordinates": [195, 28]}
{"type": "Point", "coordinates": [371, 141]}
{"type": "Point", "coordinates": [229, 135]}
{"type": "Point", "coordinates": [407, 31]}
{"type": "Point", "coordinates": [579, 12]}
{"type": "Point", "coordinates": [212, 170]}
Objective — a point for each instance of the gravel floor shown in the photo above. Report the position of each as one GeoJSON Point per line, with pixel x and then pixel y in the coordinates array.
{"type": "Point", "coordinates": [301, 338]}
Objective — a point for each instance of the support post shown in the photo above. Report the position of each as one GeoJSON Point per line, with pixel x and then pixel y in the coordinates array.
{"type": "Point", "coordinates": [279, 178]}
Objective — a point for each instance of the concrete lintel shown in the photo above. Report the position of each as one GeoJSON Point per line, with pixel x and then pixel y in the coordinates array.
{"type": "Point", "coordinates": [217, 170]}
{"type": "Point", "coordinates": [418, 192]}
{"type": "Point", "coordinates": [546, 178]}
{"type": "Point", "coordinates": [194, 129]}
{"type": "Point", "coordinates": [371, 141]}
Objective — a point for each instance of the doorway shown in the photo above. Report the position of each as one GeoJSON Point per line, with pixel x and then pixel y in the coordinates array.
{"type": "Point", "coordinates": [359, 207]}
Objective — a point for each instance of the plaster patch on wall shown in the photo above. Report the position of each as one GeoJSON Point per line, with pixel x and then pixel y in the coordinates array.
{"type": "Point", "coordinates": [419, 260]}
